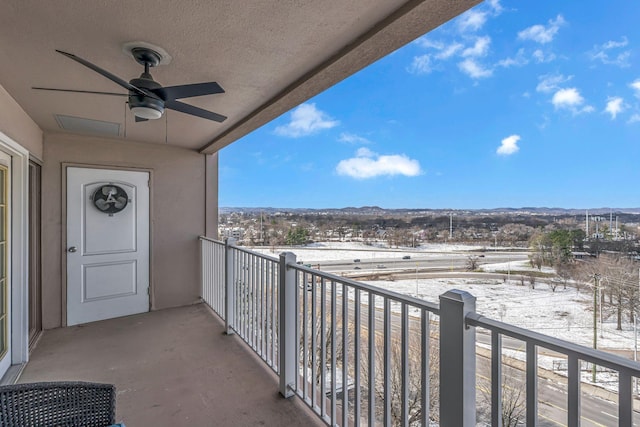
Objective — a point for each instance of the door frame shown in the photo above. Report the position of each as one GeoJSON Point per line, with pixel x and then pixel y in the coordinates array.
{"type": "Point", "coordinates": [35, 251]}
{"type": "Point", "coordinates": [64, 244]}
{"type": "Point", "coordinates": [19, 249]}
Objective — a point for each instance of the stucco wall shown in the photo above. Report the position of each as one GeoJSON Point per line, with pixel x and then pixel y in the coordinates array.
{"type": "Point", "coordinates": [17, 125]}
{"type": "Point", "coordinates": [177, 214]}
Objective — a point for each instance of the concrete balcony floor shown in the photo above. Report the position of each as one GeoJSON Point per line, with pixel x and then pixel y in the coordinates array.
{"type": "Point", "coordinates": [171, 367]}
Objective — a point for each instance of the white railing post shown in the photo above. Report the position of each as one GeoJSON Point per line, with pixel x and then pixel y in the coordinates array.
{"type": "Point", "coordinates": [229, 288]}
{"type": "Point", "coordinates": [287, 323]}
{"type": "Point", "coordinates": [457, 360]}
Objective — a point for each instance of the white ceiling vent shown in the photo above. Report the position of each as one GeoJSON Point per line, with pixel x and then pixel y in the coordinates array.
{"type": "Point", "coordinates": [82, 125]}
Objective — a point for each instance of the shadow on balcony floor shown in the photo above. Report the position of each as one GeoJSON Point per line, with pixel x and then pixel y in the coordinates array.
{"type": "Point", "coordinates": [171, 367]}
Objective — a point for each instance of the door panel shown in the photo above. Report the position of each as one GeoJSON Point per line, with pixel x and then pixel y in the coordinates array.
{"type": "Point", "coordinates": [109, 280]}
{"type": "Point", "coordinates": [107, 244]}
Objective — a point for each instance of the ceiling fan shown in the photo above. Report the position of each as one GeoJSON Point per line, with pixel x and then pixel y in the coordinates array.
{"type": "Point", "coordinates": [148, 98]}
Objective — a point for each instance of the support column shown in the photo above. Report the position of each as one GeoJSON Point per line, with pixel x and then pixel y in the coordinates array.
{"type": "Point", "coordinates": [457, 361]}
{"type": "Point", "coordinates": [229, 288]}
{"type": "Point", "coordinates": [211, 196]}
{"type": "Point", "coordinates": [287, 324]}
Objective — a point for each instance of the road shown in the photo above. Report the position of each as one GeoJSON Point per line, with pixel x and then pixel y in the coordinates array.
{"type": "Point", "coordinates": [435, 262]}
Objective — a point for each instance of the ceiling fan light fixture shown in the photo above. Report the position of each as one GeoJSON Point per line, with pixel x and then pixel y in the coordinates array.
{"type": "Point", "coordinates": [146, 113]}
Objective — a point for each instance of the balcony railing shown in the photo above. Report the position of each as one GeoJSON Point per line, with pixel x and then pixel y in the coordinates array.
{"type": "Point", "coordinates": [361, 355]}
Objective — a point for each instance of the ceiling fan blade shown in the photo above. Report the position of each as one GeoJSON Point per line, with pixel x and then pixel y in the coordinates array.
{"type": "Point", "coordinates": [189, 91]}
{"type": "Point", "coordinates": [194, 111]}
{"type": "Point", "coordinates": [108, 75]}
{"type": "Point", "coordinates": [80, 91]}
{"type": "Point", "coordinates": [140, 119]}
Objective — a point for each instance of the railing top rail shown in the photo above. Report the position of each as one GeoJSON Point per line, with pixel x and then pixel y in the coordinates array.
{"type": "Point", "coordinates": [398, 297]}
{"type": "Point", "coordinates": [598, 357]}
{"type": "Point", "coordinates": [256, 254]}
{"type": "Point", "coordinates": [209, 239]}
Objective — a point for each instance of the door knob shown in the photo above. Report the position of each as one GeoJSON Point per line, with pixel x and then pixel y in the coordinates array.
{"type": "Point", "coordinates": [72, 249]}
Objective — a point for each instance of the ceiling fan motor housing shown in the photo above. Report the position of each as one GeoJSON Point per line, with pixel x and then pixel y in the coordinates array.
{"type": "Point", "coordinates": [138, 101]}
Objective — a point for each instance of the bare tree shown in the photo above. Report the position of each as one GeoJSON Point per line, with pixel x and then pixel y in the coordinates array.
{"type": "Point", "coordinates": [414, 359]}
{"type": "Point", "coordinates": [513, 398]}
{"type": "Point", "coordinates": [472, 263]}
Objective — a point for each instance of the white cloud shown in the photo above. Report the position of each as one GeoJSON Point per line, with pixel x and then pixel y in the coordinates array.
{"type": "Point", "coordinates": [518, 61]}
{"type": "Point", "coordinates": [306, 119]}
{"type": "Point", "coordinates": [472, 20]}
{"type": "Point", "coordinates": [479, 48]}
{"type": "Point", "coordinates": [550, 82]}
{"type": "Point", "coordinates": [367, 164]}
{"type": "Point", "coordinates": [496, 6]}
{"type": "Point", "coordinates": [449, 50]}
{"type": "Point", "coordinates": [570, 99]}
{"type": "Point", "coordinates": [421, 65]}
{"type": "Point", "coordinates": [636, 87]}
{"type": "Point", "coordinates": [445, 51]}
{"type": "Point", "coordinates": [539, 56]}
{"type": "Point", "coordinates": [634, 119]}
{"type": "Point", "coordinates": [602, 53]}
{"type": "Point", "coordinates": [351, 138]}
{"type": "Point", "coordinates": [509, 145]}
{"type": "Point", "coordinates": [614, 106]}
{"type": "Point", "coordinates": [540, 33]}
{"type": "Point", "coordinates": [427, 43]}
{"type": "Point", "coordinates": [473, 69]}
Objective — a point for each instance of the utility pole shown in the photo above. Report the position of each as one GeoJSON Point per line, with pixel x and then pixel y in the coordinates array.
{"type": "Point", "coordinates": [611, 223]}
{"type": "Point", "coordinates": [587, 224]}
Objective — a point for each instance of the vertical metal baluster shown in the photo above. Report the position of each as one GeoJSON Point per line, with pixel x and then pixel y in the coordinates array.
{"type": "Point", "coordinates": [333, 352]}
{"type": "Point", "coordinates": [237, 261]}
{"type": "Point", "coordinates": [532, 384]}
{"type": "Point", "coordinates": [305, 346]}
{"type": "Point", "coordinates": [245, 282]}
{"type": "Point", "coordinates": [274, 325]}
{"type": "Point", "coordinates": [260, 323]}
{"type": "Point", "coordinates": [387, 362]}
{"type": "Point", "coordinates": [625, 404]}
{"type": "Point", "coordinates": [298, 332]}
{"type": "Point", "coordinates": [323, 347]}
{"type": "Point", "coordinates": [256, 306]}
{"type": "Point", "coordinates": [404, 341]}
{"type": "Point", "coordinates": [314, 351]}
{"type": "Point", "coordinates": [345, 355]}
{"type": "Point", "coordinates": [573, 389]}
{"type": "Point", "coordinates": [496, 379]}
{"type": "Point", "coordinates": [372, 360]}
{"type": "Point", "coordinates": [425, 352]}
{"type": "Point", "coordinates": [357, 334]}
{"type": "Point", "coordinates": [252, 299]}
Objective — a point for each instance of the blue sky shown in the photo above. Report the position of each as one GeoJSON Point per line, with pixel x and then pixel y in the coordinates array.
{"type": "Point", "coordinates": [515, 103]}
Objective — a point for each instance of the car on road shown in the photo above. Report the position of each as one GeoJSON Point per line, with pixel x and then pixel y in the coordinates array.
{"type": "Point", "coordinates": [406, 257]}
{"type": "Point", "coordinates": [356, 260]}
{"type": "Point", "coordinates": [381, 266]}
{"type": "Point", "coordinates": [356, 268]}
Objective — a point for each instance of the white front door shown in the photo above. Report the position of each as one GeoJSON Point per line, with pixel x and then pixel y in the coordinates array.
{"type": "Point", "coordinates": [107, 244]}
{"type": "Point", "coordinates": [5, 264]}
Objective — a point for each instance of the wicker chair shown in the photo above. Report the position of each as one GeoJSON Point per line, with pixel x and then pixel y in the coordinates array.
{"type": "Point", "coordinates": [57, 404]}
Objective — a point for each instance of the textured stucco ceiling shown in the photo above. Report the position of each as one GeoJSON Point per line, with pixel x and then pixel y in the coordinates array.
{"type": "Point", "coordinates": [268, 55]}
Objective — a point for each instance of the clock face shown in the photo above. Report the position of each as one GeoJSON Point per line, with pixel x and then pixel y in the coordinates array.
{"type": "Point", "coordinates": [110, 199]}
